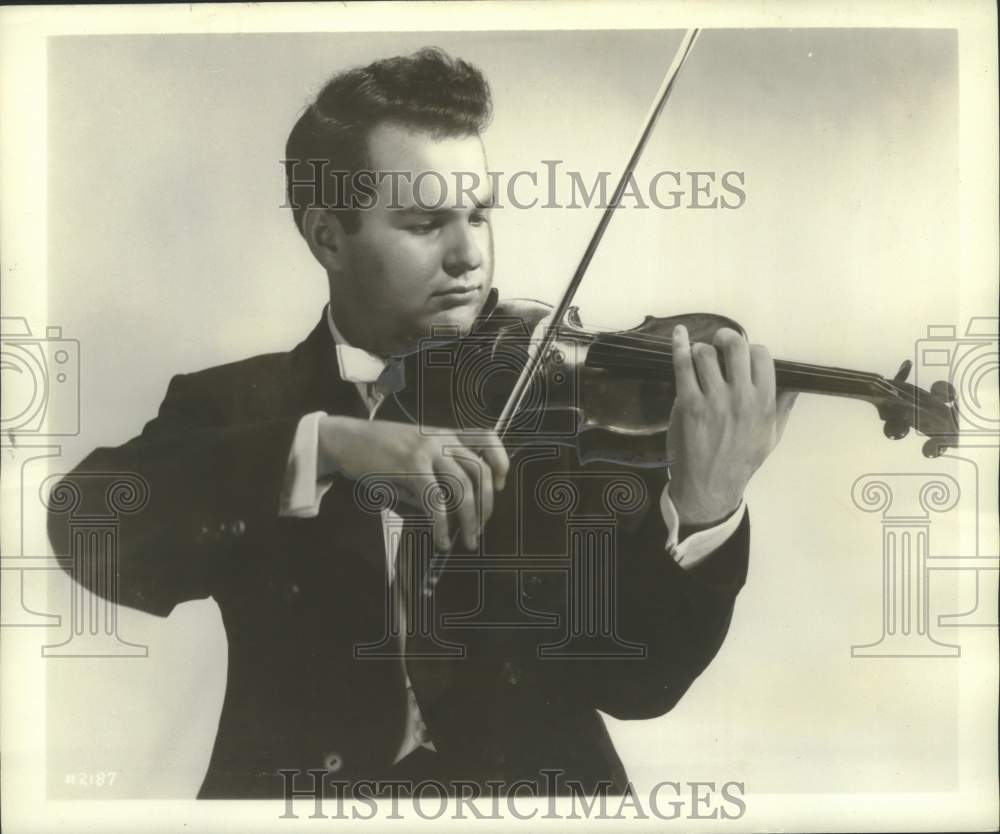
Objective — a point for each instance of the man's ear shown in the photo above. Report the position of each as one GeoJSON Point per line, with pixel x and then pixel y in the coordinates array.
{"type": "Point", "coordinates": [325, 235]}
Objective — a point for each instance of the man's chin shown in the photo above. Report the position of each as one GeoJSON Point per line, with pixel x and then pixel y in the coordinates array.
{"type": "Point", "coordinates": [453, 318]}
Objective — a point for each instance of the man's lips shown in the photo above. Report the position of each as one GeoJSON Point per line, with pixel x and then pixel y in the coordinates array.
{"type": "Point", "coordinates": [456, 292]}
{"type": "Point", "coordinates": [457, 296]}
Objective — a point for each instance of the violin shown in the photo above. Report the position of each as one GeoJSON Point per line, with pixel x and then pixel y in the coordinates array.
{"type": "Point", "coordinates": [609, 394]}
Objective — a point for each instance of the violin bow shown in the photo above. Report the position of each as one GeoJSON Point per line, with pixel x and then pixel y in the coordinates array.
{"type": "Point", "coordinates": [539, 349]}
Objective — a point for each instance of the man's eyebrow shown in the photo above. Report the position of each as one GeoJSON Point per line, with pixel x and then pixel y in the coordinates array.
{"type": "Point", "coordinates": [478, 204]}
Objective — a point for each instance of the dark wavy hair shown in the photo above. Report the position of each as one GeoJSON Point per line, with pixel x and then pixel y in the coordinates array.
{"type": "Point", "coordinates": [428, 90]}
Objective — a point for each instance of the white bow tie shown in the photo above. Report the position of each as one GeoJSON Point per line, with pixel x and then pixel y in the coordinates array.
{"type": "Point", "coordinates": [357, 365]}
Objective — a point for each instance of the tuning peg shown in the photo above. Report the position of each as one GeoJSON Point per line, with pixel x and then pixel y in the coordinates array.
{"type": "Point", "coordinates": [896, 429]}
{"type": "Point", "coordinates": [944, 391]}
{"type": "Point", "coordinates": [934, 448]}
{"type": "Point", "coordinates": [903, 372]}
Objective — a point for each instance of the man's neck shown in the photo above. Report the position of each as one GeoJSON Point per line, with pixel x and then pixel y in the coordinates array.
{"type": "Point", "coordinates": [346, 326]}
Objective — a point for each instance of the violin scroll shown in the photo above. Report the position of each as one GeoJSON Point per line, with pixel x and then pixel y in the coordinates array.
{"type": "Point", "coordinates": [933, 413]}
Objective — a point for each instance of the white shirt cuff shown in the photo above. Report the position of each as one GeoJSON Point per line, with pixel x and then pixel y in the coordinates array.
{"type": "Point", "coordinates": [303, 490]}
{"type": "Point", "coordinates": [697, 546]}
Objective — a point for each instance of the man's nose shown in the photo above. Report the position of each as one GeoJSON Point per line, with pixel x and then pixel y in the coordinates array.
{"type": "Point", "coordinates": [463, 253]}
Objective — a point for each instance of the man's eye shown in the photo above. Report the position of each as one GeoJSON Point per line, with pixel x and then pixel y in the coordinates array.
{"type": "Point", "coordinates": [423, 228]}
{"type": "Point", "coordinates": [478, 219]}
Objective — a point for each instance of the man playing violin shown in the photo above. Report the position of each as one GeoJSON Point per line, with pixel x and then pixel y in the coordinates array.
{"type": "Point", "coordinates": [254, 471]}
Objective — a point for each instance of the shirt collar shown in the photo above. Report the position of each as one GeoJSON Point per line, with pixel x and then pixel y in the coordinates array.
{"type": "Point", "coordinates": [355, 364]}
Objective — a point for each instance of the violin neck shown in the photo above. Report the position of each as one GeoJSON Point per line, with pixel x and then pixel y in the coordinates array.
{"type": "Point", "coordinates": [837, 382]}
{"type": "Point", "coordinates": [624, 354]}
{"type": "Point", "coordinates": [620, 355]}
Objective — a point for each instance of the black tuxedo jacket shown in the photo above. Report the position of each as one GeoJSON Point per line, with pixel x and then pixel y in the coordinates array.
{"type": "Point", "coordinates": [302, 598]}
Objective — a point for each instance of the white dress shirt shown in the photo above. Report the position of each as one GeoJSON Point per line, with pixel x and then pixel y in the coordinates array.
{"type": "Point", "coordinates": [304, 490]}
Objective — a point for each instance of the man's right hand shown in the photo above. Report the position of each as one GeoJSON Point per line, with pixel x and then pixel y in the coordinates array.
{"type": "Point", "coordinates": [416, 460]}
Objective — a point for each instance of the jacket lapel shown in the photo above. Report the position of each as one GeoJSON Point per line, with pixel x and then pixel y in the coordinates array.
{"type": "Point", "coordinates": [317, 386]}
{"type": "Point", "coordinates": [317, 377]}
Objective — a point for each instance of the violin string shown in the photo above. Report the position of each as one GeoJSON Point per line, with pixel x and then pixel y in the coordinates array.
{"type": "Point", "coordinates": [626, 340]}
{"type": "Point", "coordinates": [633, 344]}
{"type": "Point", "coordinates": [792, 373]}
{"type": "Point", "coordinates": [664, 359]}
{"type": "Point", "coordinates": [665, 365]}
{"type": "Point", "coordinates": [808, 382]}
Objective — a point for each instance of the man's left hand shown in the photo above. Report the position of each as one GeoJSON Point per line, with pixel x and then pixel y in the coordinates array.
{"type": "Point", "coordinates": [726, 420]}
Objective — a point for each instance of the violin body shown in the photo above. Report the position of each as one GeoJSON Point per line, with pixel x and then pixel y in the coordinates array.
{"type": "Point", "coordinates": [618, 415]}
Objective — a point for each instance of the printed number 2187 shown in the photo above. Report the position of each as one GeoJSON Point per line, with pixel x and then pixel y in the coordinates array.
{"type": "Point", "coordinates": [91, 779]}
